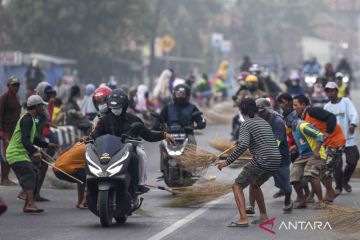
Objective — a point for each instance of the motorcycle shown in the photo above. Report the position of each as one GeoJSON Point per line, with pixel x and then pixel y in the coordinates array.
{"type": "Point", "coordinates": [111, 191]}
{"type": "Point", "coordinates": [310, 80]}
{"type": "Point", "coordinates": [174, 174]}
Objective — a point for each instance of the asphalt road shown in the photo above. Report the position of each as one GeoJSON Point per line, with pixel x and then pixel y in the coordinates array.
{"type": "Point", "coordinates": [62, 221]}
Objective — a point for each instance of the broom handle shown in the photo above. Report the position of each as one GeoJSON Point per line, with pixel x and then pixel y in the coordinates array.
{"type": "Point", "coordinates": [53, 165]}
{"type": "Point", "coordinates": [226, 151]}
{"type": "Point", "coordinates": [160, 187]}
{"type": "Point", "coordinates": [47, 156]}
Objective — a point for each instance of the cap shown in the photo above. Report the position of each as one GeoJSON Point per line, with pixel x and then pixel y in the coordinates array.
{"type": "Point", "coordinates": [331, 85]}
{"type": "Point", "coordinates": [339, 75]}
{"type": "Point", "coordinates": [13, 80]}
{"type": "Point", "coordinates": [263, 104]}
{"type": "Point", "coordinates": [34, 100]}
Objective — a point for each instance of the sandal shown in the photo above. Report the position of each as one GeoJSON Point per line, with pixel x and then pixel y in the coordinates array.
{"type": "Point", "coordinates": [300, 205]}
{"type": "Point", "coordinates": [32, 210]}
{"type": "Point", "coordinates": [331, 200]}
{"type": "Point", "coordinates": [259, 220]}
{"type": "Point", "coordinates": [320, 205]}
{"type": "Point", "coordinates": [288, 208]}
{"type": "Point", "coordinates": [236, 224]}
{"type": "Point", "coordinates": [82, 206]}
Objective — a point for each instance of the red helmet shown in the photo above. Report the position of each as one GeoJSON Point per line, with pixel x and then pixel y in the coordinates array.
{"type": "Point", "coordinates": [100, 95]}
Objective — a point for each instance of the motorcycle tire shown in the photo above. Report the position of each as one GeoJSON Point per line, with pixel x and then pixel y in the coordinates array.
{"type": "Point", "coordinates": [104, 208]}
{"type": "Point", "coordinates": [121, 219]}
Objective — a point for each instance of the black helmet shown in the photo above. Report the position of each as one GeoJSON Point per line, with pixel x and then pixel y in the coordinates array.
{"type": "Point", "coordinates": [118, 99]}
{"type": "Point", "coordinates": [181, 93]}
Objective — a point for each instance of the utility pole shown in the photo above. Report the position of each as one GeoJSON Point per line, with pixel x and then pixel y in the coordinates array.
{"type": "Point", "coordinates": [159, 6]}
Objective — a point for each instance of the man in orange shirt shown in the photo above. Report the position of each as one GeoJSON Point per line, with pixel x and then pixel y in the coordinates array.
{"type": "Point", "coordinates": [334, 142]}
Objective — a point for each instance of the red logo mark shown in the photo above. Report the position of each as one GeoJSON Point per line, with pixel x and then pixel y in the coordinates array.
{"type": "Point", "coordinates": [268, 222]}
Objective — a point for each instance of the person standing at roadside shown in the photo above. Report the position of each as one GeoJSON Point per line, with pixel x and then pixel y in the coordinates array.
{"type": "Point", "coordinates": [10, 109]}
{"type": "Point", "coordinates": [21, 148]}
{"type": "Point", "coordinates": [61, 91]}
{"type": "Point", "coordinates": [42, 120]}
{"type": "Point", "coordinates": [348, 118]}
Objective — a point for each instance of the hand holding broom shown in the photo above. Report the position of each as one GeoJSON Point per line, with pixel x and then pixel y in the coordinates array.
{"type": "Point", "coordinates": [42, 153]}
{"type": "Point", "coordinates": [223, 164]}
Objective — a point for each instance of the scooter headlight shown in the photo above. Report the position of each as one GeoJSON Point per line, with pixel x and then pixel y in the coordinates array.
{"type": "Point", "coordinates": [116, 167]}
{"type": "Point", "coordinates": [94, 169]}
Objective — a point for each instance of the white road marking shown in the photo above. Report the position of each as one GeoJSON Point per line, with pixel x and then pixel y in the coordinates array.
{"type": "Point", "coordinates": [172, 228]}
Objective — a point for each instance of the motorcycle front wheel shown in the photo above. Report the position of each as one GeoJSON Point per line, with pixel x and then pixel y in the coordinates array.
{"type": "Point", "coordinates": [104, 208]}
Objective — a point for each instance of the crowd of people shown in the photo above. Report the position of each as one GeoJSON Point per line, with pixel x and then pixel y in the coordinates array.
{"type": "Point", "coordinates": [304, 144]}
{"type": "Point", "coordinates": [289, 139]}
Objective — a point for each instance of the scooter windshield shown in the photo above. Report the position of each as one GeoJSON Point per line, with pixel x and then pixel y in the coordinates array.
{"type": "Point", "coordinates": [108, 145]}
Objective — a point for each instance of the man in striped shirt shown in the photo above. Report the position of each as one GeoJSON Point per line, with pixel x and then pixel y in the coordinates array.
{"type": "Point", "coordinates": [256, 135]}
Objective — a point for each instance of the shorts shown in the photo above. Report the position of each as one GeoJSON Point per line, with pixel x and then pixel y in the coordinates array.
{"type": "Point", "coordinates": [26, 174]}
{"type": "Point", "coordinates": [307, 167]}
{"type": "Point", "coordinates": [333, 157]}
{"type": "Point", "coordinates": [252, 174]}
{"type": "Point", "coordinates": [79, 174]}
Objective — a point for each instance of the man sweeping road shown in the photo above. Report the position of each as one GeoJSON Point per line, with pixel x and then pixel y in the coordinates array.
{"type": "Point", "coordinates": [21, 148]}
{"type": "Point", "coordinates": [255, 134]}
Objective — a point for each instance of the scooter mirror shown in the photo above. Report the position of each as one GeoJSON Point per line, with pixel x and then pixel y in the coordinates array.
{"type": "Point", "coordinates": [197, 113]}
{"type": "Point", "coordinates": [136, 125]}
{"type": "Point", "coordinates": [155, 115]}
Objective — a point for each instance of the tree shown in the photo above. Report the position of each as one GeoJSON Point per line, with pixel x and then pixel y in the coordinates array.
{"type": "Point", "coordinates": [93, 32]}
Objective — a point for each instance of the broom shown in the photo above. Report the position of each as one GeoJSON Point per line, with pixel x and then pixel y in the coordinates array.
{"type": "Point", "coordinates": [223, 144]}
{"type": "Point", "coordinates": [195, 158]}
{"type": "Point", "coordinates": [51, 164]}
{"type": "Point", "coordinates": [341, 218]}
{"type": "Point", "coordinates": [197, 194]}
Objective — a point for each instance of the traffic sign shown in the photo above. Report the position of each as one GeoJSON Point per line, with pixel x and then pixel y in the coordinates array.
{"type": "Point", "coordinates": [167, 43]}
{"type": "Point", "coordinates": [11, 57]}
{"type": "Point", "coordinates": [216, 39]}
{"type": "Point", "coordinates": [226, 46]}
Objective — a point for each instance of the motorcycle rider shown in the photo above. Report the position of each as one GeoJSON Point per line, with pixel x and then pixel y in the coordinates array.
{"type": "Point", "coordinates": [249, 90]}
{"type": "Point", "coordinates": [100, 96]}
{"type": "Point", "coordinates": [312, 67]}
{"type": "Point", "coordinates": [344, 90]}
{"type": "Point", "coordinates": [118, 122]}
{"type": "Point", "coordinates": [180, 112]}
{"type": "Point", "coordinates": [345, 67]}
{"type": "Point", "coordinates": [293, 84]}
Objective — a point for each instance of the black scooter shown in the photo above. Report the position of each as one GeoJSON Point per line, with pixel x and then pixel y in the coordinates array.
{"type": "Point", "coordinates": [111, 193]}
{"type": "Point", "coordinates": [174, 174]}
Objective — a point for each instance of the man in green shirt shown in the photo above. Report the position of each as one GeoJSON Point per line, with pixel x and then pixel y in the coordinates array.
{"type": "Point", "coordinates": [21, 148]}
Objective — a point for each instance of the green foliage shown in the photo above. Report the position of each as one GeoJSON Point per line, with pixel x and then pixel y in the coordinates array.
{"type": "Point", "coordinates": [98, 33]}
{"type": "Point", "coordinates": [90, 31]}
